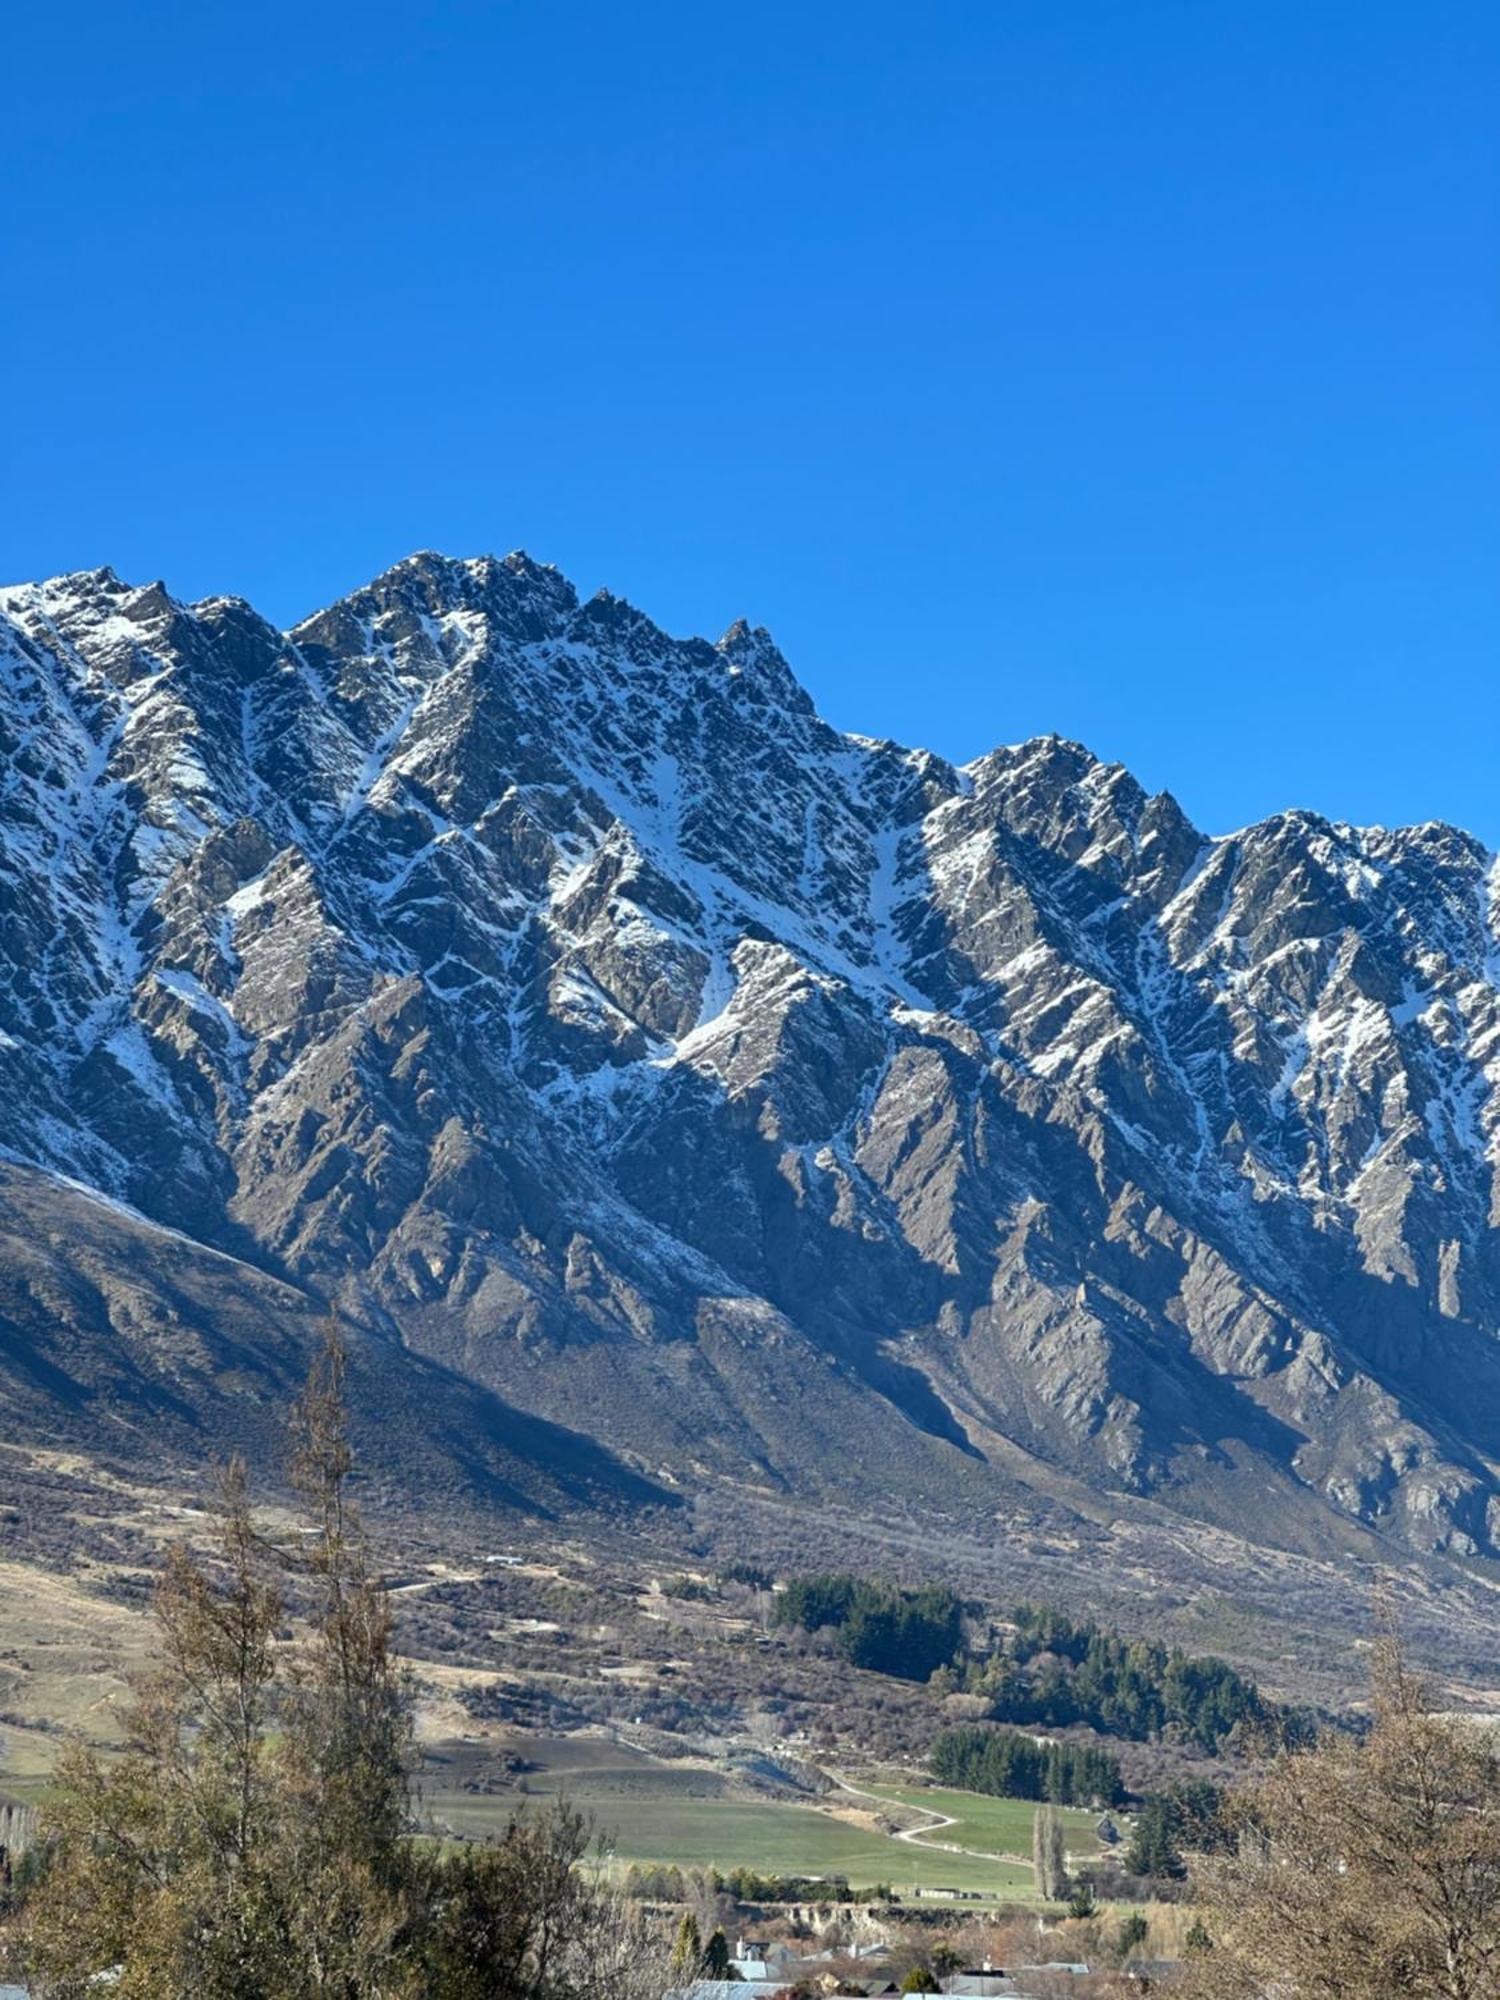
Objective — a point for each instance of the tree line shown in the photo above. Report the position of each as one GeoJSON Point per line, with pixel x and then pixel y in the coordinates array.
{"type": "Point", "coordinates": [659, 1882]}
{"type": "Point", "coordinates": [982, 1758]}
{"type": "Point", "coordinates": [1049, 1671]}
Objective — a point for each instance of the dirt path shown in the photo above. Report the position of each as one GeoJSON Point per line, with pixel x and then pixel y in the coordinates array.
{"type": "Point", "coordinates": [916, 1836]}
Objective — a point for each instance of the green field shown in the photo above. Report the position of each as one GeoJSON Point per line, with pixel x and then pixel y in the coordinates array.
{"type": "Point", "coordinates": [681, 1814]}
{"type": "Point", "coordinates": [995, 1826]}
{"type": "Point", "coordinates": [646, 1811]}
{"type": "Point", "coordinates": [795, 1840]}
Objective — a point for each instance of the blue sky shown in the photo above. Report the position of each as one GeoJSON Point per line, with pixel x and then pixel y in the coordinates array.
{"type": "Point", "coordinates": [1130, 370]}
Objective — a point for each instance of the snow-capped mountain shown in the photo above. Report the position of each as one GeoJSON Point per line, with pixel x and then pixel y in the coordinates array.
{"type": "Point", "coordinates": [589, 1019]}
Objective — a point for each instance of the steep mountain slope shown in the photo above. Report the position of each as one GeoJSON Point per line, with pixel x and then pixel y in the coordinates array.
{"type": "Point", "coordinates": [577, 1010]}
{"type": "Point", "coordinates": [151, 1353]}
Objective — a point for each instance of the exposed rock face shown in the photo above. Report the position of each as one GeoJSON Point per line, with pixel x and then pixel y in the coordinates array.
{"type": "Point", "coordinates": [578, 1010]}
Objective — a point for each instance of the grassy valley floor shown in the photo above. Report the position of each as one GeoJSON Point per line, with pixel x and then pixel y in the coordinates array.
{"type": "Point", "coordinates": [694, 1816]}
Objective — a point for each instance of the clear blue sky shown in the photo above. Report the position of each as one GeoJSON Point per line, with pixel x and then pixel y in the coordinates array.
{"type": "Point", "coordinates": [1130, 370]}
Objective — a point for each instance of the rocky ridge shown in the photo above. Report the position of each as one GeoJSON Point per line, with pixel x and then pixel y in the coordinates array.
{"type": "Point", "coordinates": [595, 1025]}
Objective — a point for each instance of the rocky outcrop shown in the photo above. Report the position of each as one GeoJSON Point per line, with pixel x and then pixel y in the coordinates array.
{"type": "Point", "coordinates": [577, 1010]}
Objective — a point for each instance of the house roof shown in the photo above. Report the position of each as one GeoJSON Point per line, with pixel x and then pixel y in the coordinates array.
{"type": "Point", "coordinates": [727, 1989]}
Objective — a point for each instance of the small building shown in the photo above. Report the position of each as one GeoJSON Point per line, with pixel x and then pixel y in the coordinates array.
{"type": "Point", "coordinates": [728, 1989]}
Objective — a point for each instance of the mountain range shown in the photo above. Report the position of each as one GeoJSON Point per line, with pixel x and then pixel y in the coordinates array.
{"type": "Point", "coordinates": [670, 1092]}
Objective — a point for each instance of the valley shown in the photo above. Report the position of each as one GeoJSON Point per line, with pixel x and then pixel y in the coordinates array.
{"type": "Point", "coordinates": [619, 1670]}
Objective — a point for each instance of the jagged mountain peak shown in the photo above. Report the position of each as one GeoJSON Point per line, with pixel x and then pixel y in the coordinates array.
{"type": "Point", "coordinates": [572, 1003]}
{"type": "Point", "coordinates": [66, 582]}
{"type": "Point", "coordinates": [520, 594]}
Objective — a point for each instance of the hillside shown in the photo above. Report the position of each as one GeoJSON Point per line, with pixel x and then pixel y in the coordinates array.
{"type": "Point", "coordinates": [673, 1093]}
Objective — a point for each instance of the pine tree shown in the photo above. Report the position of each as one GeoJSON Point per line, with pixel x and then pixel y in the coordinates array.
{"type": "Point", "coordinates": [252, 1842]}
{"type": "Point", "coordinates": [687, 1952]}
{"type": "Point", "coordinates": [357, 1706]}
{"type": "Point", "coordinates": [1082, 1902]}
{"type": "Point", "coordinates": [1132, 1934]}
{"type": "Point", "coordinates": [1153, 1849]}
{"type": "Point", "coordinates": [164, 1861]}
{"type": "Point", "coordinates": [348, 1723]}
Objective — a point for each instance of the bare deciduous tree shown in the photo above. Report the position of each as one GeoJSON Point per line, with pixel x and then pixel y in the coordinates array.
{"type": "Point", "coordinates": [1366, 1870]}
{"type": "Point", "coordinates": [1049, 1854]}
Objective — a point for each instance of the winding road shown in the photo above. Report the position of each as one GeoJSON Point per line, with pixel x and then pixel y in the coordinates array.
{"type": "Point", "coordinates": [916, 1836]}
